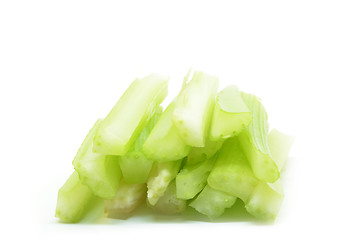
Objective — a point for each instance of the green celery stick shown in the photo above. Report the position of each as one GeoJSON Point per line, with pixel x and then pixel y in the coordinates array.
{"type": "Point", "coordinates": [231, 115]}
{"type": "Point", "coordinates": [194, 107]}
{"type": "Point", "coordinates": [254, 142]}
{"type": "Point", "coordinates": [164, 143]}
{"type": "Point", "coordinates": [267, 198]}
{"type": "Point", "coordinates": [129, 116]}
{"type": "Point", "coordinates": [212, 203]}
{"type": "Point", "coordinates": [199, 154]}
{"type": "Point", "coordinates": [73, 200]}
{"type": "Point", "coordinates": [193, 178]}
{"type": "Point", "coordinates": [169, 203]}
{"type": "Point", "coordinates": [161, 175]}
{"type": "Point", "coordinates": [101, 173]}
{"type": "Point", "coordinates": [127, 199]}
{"type": "Point", "coordinates": [135, 165]}
{"type": "Point", "coordinates": [232, 173]}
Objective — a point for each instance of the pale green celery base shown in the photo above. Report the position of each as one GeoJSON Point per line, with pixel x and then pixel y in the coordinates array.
{"type": "Point", "coordinates": [127, 198]}
{"type": "Point", "coordinates": [193, 178]}
{"type": "Point", "coordinates": [161, 175]}
{"type": "Point", "coordinates": [280, 145]}
{"type": "Point", "coordinates": [212, 203]}
{"type": "Point", "coordinates": [169, 203]}
{"type": "Point", "coordinates": [135, 167]}
{"type": "Point", "coordinates": [73, 200]}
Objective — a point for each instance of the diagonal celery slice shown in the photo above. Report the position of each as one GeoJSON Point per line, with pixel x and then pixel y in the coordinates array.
{"type": "Point", "coordinates": [267, 198]}
{"type": "Point", "coordinates": [232, 173]}
{"type": "Point", "coordinates": [231, 115]}
{"type": "Point", "coordinates": [73, 200]}
{"type": "Point", "coordinates": [193, 178]}
{"type": "Point", "coordinates": [164, 143]}
{"type": "Point", "coordinates": [127, 199]}
{"type": "Point", "coordinates": [135, 165]}
{"type": "Point", "coordinates": [101, 173]}
{"type": "Point", "coordinates": [254, 142]}
{"type": "Point", "coordinates": [212, 203]}
{"type": "Point", "coordinates": [199, 154]}
{"type": "Point", "coordinates": [129, 116]}
{"type": "Point", "coordinates": [193, 110]}
{"type": "Point", "coordinates": [169, 203]}
{"type": "Point", "coordinates": [161, 175]}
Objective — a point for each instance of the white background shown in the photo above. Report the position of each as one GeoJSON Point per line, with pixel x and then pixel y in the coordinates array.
{"type": "Point", "coordinates": [63, 64]}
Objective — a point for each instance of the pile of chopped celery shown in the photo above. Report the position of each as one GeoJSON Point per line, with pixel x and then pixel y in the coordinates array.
{"type": "Point", "coordinates": [205, 150]}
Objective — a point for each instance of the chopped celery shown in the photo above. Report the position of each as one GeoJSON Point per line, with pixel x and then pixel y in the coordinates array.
{"type": "Point", "coordinates": [164, 143]}
{"type": "Point", "coordinates": [192, 178]}
{"type": "Point", "coordinates": [169, 203]}
{"type": "Point", "coordinates": [199, 154]}
{"type": "Point", "coordinates": [212, 203]}
{"type": "Point", "coordinates": [101, 173]}
{"type": "Point", "coordinates": [254, 142]}
{"type": "Point", "coordinates": [161, 175]}
{"type": "Point", "coordinates": [128, 117]}
{"type": "Point", "coordinates": [280, 144]}
{"type": "Point", "coordinates": [232, 173]}
{"type": "Point", "coordinates": [73, 199]}
{"type": "Point", "coordinates": [128, 197]}
{"type": "Point", "coordinates": [193, 110]}
{"type": "Point", "coordinates": [230, 116]}
{"type": "Point", "coordinates": [135, 165]}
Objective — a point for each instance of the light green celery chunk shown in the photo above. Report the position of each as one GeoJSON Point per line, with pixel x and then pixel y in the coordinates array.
{"type": "Point", "coordinates": [231, 115]}
{"type": "Point", "coordinates": [127, 199]}
{"type": "Point", "coordinates": [193, 178]}
{"type": "Point", "coordinates": [267, 198]}
{"type": "Point", "coordinates": [212, 203]}
{"type": "Point", "coordinates": [129, 116]}
{"type": "Point", "coordinates": [73, 200]}
{"type": "Point", "coordinates": [101, 173]}
{"type": "Point", "coordinates": [164, 143]}
{"type": "Point", "coordinates": [194, 107]}
{"type": "Point", "coordinates": [169, 203]}
{"type": "Point", "coordinates": [135, 165]}
{"type": "Point", "coordinates": [254, 142]}
{"type": "Point", "coordinates": [161, 175]}
{"type": "Point", "coordinates": [199, 154]}
{"type": "Point", "coordinates": [232, 173]}
{"type": "Point", "coordinates": [280, 145]}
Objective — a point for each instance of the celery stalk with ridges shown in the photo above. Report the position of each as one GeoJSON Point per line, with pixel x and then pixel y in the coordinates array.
{"type": "Point", "coordinates": [129, 116]}
{"type": "Point", "coordinates": [194, 107]}
{"type": "Point", "coordinates": [101, 173]}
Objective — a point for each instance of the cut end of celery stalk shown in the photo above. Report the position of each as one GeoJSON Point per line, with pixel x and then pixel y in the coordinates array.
{"type": "Point", "coordinates": [280, 145]}
{"type": "Point", "coordinates": [101, 173]}
{"type": "Point", "coordinates": [164, 143]}
{"type": "Point", "coordinates": [203, 153]}
{"type": "Point", "coordinates": [212, 203]}
{"type": "Point", "coordinates": [123, 124]}
{"type": "Point", "coordinates": [194, 107]}
{"type": "Point", "coordinates": [231, 115]}
{"type": "Point", "coordinates": [73, 200]}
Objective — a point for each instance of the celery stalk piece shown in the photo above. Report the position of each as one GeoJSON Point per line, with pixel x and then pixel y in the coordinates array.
{"type": "Point", "coordinates": [212, 203]}
{"type": "Point", "coordinates": [101, 173]}
{"type": "Point", "coordinates": [135, 165]}
{"type": "Point", "coordinates": [169, 203]}
{"type": "Point", "coordinates": [73, 200]}
{"type": "Point", "coordinates": [280, 145]}
{"type": "Point", "coordinates": [127, 199]}
{"type": "Point", "coordinates": [161, 175]}
{"type": "Point", "coordinates": [194, 107]}
{"type": "Point", "coordinates": [267, 198]}
{"type": "Point", "coordinates": [254, 142]}
{"type": "Point", "coordinates": [129, 116]}
{"type": "Point", "coordinates": [193, 178]}
{"type": "Point", "coordinates": [164, 143]}
{"type": "Point", "coordinates": [232, 173]}
{"type": "Point", "coordinates": [199, 154]}
{"type": "Point", "coordinates": [231, 115]}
